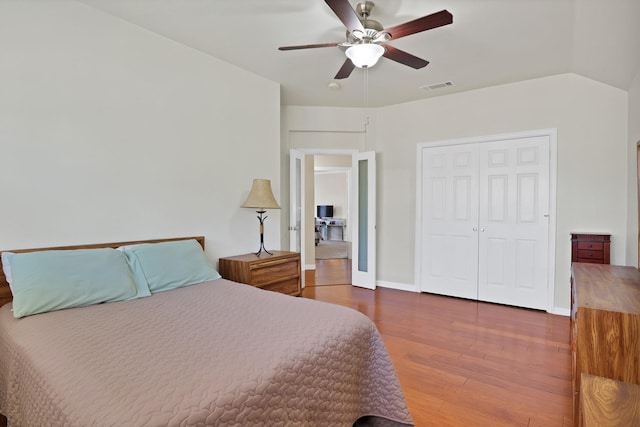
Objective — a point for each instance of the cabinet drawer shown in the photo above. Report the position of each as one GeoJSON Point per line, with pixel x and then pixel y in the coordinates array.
{"type": "Point", "coordinates": [289, 286]}
{"type": "Point", "coordinates": [596, 246]}
{"type": "Point", "coordinates": [590, 260]}
{"type": "Point", "coordinates": [590, 255]}
{"type": "Point", "coordinates": [265, 272]}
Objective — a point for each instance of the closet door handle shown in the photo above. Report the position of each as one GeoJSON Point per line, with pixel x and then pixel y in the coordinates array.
{"type": "Point", "coordinates": [475, 229]}
{"type": "Point", "coordinates": [482, 229]}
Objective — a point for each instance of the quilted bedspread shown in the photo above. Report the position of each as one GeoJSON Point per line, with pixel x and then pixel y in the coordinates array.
{"type": "Point", "coordinates": [217, 353]}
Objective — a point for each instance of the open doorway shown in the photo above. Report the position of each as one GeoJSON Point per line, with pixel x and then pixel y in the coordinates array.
{"type": "Point", "coordinates": [332, 204]}
{"type": "Point", "coordinates": [362, 215]}
{"type": "Point", "coordinates": [332, 210]}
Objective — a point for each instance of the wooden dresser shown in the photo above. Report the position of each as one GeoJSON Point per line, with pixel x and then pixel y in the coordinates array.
{"type": "Point", "coordinates": [589, 247]}
{"type": "Point", "coordinates": [605, 325]}
{"type": "Point", "coordinates": [279, 272]}
{"type": "Point", "coordinates": [609, 403]}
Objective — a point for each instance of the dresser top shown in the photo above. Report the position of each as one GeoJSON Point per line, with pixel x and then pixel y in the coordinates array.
{"type": "Point", "coordinates": [607, 287]}
{"type": "Point", "coordinates": [591, 236]}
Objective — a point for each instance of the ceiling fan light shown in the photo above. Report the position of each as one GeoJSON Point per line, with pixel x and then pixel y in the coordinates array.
{"type": "Point", "coordinates": [364, 55]}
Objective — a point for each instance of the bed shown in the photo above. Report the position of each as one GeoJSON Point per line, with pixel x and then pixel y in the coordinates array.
{"type": "Point", "coordinates": [209, 353]}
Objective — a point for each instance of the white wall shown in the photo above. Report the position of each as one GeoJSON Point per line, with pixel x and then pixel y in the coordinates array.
{"type": "Point", "coordinates": [109, 132]}
{"type": "Point", "coordinates": [591, 119]}
{"type": "Point", "coordinates": [331, 189]}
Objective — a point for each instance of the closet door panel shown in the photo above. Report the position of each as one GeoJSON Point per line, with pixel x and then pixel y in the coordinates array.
{"type": "Point", "coordinates": [513, 238]}
{"type": "Point", "coordinates": [449, 263]}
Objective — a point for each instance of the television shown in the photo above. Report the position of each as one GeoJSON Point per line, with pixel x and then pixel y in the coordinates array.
{"type": "Point", "coordinates": [325, 211]}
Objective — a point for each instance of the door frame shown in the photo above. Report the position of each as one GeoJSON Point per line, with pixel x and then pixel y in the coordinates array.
{"type": "Point", "coordinates": [318, 151]}
{"type": "Point", "coordinates": [551, 133]}
{"type": "Point", "coordinates": [295, 202]}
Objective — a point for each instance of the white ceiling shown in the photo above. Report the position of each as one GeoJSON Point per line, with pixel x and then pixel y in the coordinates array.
{"type": "Point", "coordinates": [490, 42]}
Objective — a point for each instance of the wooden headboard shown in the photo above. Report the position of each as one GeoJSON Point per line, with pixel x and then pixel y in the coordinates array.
{"type": "Point", "coordinates": [5, 291]}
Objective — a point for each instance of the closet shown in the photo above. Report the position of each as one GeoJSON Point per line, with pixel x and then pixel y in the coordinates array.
{"type": "Point", "coordinates": [484, 220]}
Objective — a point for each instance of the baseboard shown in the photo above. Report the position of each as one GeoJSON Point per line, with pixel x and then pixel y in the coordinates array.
{"type": "Point", "coordinates": [413, 288]}
{"type": "Point", "coordinates": [310, 267]}
{"type": "Point", "coordinates": [398, 286]}
{"type": "Point", "coordinates": [561, 311]}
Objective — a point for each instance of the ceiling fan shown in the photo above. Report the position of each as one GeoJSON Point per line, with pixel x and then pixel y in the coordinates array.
{"type": "Point", "coordinates": [367, 39]}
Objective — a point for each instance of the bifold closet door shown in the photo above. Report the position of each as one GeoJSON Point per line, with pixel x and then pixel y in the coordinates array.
{"type": "Point", "coordinates": [485, 222]}
{"type": "Point", "coordinates": [450, 220]}
{"type": "Point", "coordinates": [514, 222]}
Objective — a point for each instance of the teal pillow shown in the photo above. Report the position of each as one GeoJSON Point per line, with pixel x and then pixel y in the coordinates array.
{"type": "Point", "coordinates": [170, 265]}
{"type": "Point", "coordinates": [58, 279]}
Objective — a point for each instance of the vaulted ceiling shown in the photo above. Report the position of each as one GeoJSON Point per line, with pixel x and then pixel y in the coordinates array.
{"type": "Point", "coordinates": [490, 42]}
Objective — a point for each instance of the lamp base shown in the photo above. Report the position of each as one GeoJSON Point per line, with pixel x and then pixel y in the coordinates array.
{"type": "Point", "coordinates": [262, 248]}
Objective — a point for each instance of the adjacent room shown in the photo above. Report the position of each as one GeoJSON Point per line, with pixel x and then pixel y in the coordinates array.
{"type": "Point", "coordinates": [431, 202]}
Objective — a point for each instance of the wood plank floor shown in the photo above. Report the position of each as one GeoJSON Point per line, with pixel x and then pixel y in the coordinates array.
{"type": "Point", "coordinates": [461, 362]}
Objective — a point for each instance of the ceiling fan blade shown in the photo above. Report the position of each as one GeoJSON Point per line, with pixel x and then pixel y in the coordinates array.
{"type": "Point", "coordinates": [345, 70]}
{"type": "Point", "coordinates": [425, 23]}
{"type": "Point", "coordinates": [308, 46]}
{"type": "Point", "coordinates": [346, 14]}
{"type": "Point", "coordinates": [403, 57]}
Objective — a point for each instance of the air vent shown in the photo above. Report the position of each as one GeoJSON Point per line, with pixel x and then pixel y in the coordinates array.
{"type": "Point", "coordinates": [437, 86]}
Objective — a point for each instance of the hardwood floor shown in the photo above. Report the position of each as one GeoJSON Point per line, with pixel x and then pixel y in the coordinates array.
{"type": "Point", "coordinates": [467, 363]}
{"type": "Point", "coordinates": [329, 272]}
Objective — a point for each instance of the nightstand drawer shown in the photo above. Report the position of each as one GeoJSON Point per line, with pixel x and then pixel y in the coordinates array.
{"type": "Point", "coordinates": [265, 272]}
{"type": "Point", "coordinates": [289, 286]}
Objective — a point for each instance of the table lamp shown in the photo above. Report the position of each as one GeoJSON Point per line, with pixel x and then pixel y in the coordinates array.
{"type": "Point", "coordinates": [261, 198]}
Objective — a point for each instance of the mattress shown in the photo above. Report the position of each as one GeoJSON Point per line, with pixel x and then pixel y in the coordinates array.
{"type": "Point", "coordinates": [216, 353]}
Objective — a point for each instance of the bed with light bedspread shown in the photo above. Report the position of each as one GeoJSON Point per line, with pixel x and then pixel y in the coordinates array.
{"type": "Point", "coordinates": [212, 353]}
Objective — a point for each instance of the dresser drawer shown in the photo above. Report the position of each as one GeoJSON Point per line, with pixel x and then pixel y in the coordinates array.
{"type": "Point", "coordinates": [590, 255]}
{"type": "Point", "coordinates": [590, 260]}
{"type": "Point", "coordinates": [596, 246]}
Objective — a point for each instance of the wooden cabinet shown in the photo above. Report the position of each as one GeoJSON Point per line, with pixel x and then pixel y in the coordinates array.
{"type": "Point", "coordinates": [279, 272]}
{"type": "Point", "coordinates": [605, 325]}
{"type": "Point", "coordinates": [588, 247]}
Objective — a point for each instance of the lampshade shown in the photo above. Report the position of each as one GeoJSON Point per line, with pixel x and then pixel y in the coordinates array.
{"type": "Point", "coordinates": [261, 196]}
{"type": "Point", "coordinates": [365, 55]}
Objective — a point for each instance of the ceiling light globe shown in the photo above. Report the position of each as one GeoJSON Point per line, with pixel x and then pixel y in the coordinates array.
{"type": "Point", "coordinates": [365, 55]}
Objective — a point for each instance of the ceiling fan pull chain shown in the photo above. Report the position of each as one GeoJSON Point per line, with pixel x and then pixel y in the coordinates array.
{"type": "Point", "coordinates": [366, 108]}
{"type": "Point", "coordinates": [366, 89]}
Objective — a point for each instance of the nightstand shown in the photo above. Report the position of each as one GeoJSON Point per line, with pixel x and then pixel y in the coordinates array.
{"type": "Point", "coordinates": [589, 247]}
{"type": "Point", "coordinates": [279, 272]}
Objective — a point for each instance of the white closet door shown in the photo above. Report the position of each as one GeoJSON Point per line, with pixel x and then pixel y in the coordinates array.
{"type": "Point", "coordinates": [514, 222]}
{"type": "Point", "coordinates": [450, 220]}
